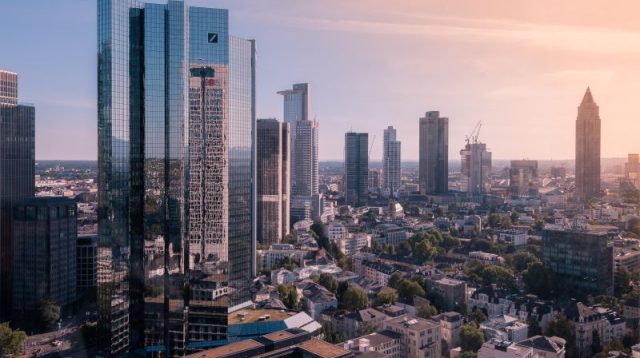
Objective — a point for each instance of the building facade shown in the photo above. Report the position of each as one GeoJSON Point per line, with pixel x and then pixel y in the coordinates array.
{"type": "Point", "coordinates": [522, 176]}
{"type": "Point", "coordinates": [86, 246]}
{"type": "Point", "coordinates": [588, 149]}
{"type": "Point", "coordinates": [356, 168]}
{"type": "Point", "coordinates": [434, 154]}
{"type": "Point", "coordinates": [476, 169]}
{"type": "Point", "coordinates": [44, 254]}
{"type": "Point", "coordinates": [581, 261]}
{"type": "Point", "coordinates": [391, 161]}
{"type": "Point", "coordinates": [273, 181]}
{"type": "Point", "coordinates": [176, 115]}
{"type": "Point", "coordinates": [17, 172]}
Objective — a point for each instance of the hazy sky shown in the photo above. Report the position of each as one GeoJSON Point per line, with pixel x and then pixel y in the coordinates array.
{"type": "Point", "coordinates": [521, 67]}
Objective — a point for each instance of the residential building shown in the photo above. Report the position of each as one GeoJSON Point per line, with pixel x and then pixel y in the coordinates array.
{"type": "Point", "coordinates": [517, 238]}
{"type": "Point", "coordinates": [476, 168]}
{"type": "Point", "coordinates": [86, 247]}
{"type": "Point", "coordinates": [587, 320]}
{"type": "Point", "coordinates": [434, 154]}
{"type": "Point", "coordinates": [176, 162]}
{"type": "Point", "coordinates": [546, 347]}
{"type": "Point", "coordinates": [504, 349]}
{"type": "Point", "coordinates": [450, 326]}
{"type": "Point", "coordinates": [377, 272]}
{"type": "Point", "coordinates": [337, 231]}
{"type": "Point", "coordinates": [356, 168]}
{"type": "Point", "coordinates": [486, 257]}
{"type": "Point", "coordinates": [316, 298]}
{"type": "Point", "coordinates": [505, 328]}
{"type": "Point", "coordinates": [588, 149]}
{"type": "Point", "coordinates": [581, 261]}
{"type": "Point", "coordinates": [354, 243]}
{"type": "Point", "coordinates": [522, 178]}
{"type": "Point", "coordinates": [454, 292]}
{"type": "Point", "coordinates": [17, 172]}
{"type": "Point", "coordinates": [386, 343]}
{"type": "Point", "coordinates": [44, 254]}
{"type": "Point", "coordinates": [277, 253]}
{"type": "Point", "coordinates": [273, 180]}
{"type": "Point", "coordinates": [420, 337]}
{"type": "Point", "coordinates": [282, 276]}
{"type": "Point", "coordinates": [365, 319]}
{"type": "Point", "coordinates": [391, 161]}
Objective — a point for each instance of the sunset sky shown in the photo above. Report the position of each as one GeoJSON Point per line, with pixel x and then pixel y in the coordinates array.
{"type": "Point", "coordinates": [521, 67]}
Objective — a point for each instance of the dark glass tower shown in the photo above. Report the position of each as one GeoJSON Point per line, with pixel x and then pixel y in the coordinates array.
{"type": "Point", "coordinates": [17, 172]}
{"type": "Point", "coordinates": [434, 154]}
{"type": "Point", "coordinates": [176, 99]}
{"type": "Point", "coordinates": [356, 168]}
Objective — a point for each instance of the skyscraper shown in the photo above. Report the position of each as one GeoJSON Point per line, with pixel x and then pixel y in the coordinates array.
{"type": "Point", "coordinates": [297, 104]}
{"type": "Point", "coordinates": [391, 161]}
{"type": "Point", "coordinates": [17, 172]}
{"type": "Point", "coordinates": [176, 113]}
{"type": "Point", "coordinates": [476, 169]}
{"type": "Point", "coordinates": [356, 168]}
{"type": "Point", "coordinates": [434, 154]}
{"type": "Point", "coordinates": [522, 175]}
{"type": "Point", "coordinates": [273, 168]}
{"type": "Point", "coordinates": [588, 149]}
{"type": "Point", "coordinates": [44, 254]}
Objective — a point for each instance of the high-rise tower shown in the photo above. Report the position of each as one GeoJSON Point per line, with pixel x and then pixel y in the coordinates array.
{"type": "Point", "coordinates": [176, 113]}
{"type": "Point", "coordinates": [17, 172]}
{"type": "Point", "coordinates": [434, 154]}
{"type": "Point", "coordinates": [356, 168]}
{"type": "Point", "coordinates": [272, 147]}
{"type": "Point", "coordinates": [587, 149]}
{"type": "Point", "coordinates": [391, 161]}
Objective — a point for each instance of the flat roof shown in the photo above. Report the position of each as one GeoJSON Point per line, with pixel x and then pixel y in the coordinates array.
{"type": "Point", "coordinates": [278, 336]}
{"type": "Point", "coordinates": [323, 349]}
{"type": "Point", "coordinates": [252, 315]}
{"type": "Point", "coordinates": [229, 349]}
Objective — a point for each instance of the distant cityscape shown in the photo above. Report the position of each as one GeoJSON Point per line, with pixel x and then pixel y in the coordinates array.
{"type": "Point", "coordinates": [203, 231]}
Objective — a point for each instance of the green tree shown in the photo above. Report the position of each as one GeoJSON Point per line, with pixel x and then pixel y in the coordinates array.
{"type": "Point", "coordinates": [467, 354]}
{"type": "Point", "coordinates": [354, 299]}
{"type": "Point", "coordinates": [425, 251]}
{"type": "Point", "coordinates": [11, 342]}
{"type": "Point", "coordinates": [331, 335]}
{"type": "Point", "coordinates": [288, 295]}
{"type": "Point", "coordinates": [534, 326]}
{"type": "Point", "coordinates": [385, 298]}
{"type": "Point", "coordinates": [426, 311]}
{"type": "Point", "coordinates": [514, 218]}
{"type": "Point", "coordinates": [521, 260]}
{"type": "Point", "coordinates": [621, 282]}
{"type": "Point", "coordinates": [562, 327]}
{"type": "Point", "coordinates": [409, 289]}
{"type": "Point", "coordinates": [449, 241]}
{"type": "Point", "coordinates": [342, 288]}
{"type": "Point", "coordinates": [49, 312]}
{"type": "Point", "coordinates": [477, 316]}
{"type": "Point", "coordinates": [537, 279]}
{"type": "Point", "coordinates": [329, 282]}
{"type": "Point", "coordinates": [394, 280]}
{"type": "Point", "coordinates": [471, 337]}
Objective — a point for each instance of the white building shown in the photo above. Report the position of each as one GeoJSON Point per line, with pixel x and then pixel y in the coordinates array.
{"type": "Point", "coordinates": [505, 349]}
{"type": "Point", "coordinates": [354, 243]}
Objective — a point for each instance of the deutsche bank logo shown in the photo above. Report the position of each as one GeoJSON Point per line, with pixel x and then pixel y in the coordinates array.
{"type": "Point", "coordinates": [212, 38]}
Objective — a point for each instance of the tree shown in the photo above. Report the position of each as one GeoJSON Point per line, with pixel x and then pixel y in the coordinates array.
{"type": "Point", "coordinates": [354, 299]}
{"type": "Point", "coordinates": [471, 337]}
{"type": "Point", "coordinates": [486, 275]}
{"type": "Point", "coordinates": [11, 342]}
{"type": "Point", "coordinates": [514, 218]}
{"type": "Point", "coordinates": [330, 333]}
{"type": "Point", "coordinates": [288, 295]}
{"type": "Point", "coordinates": [342, 288]}
{"type": "Point", "coordinates": [49, 312]}
{"type": "Point", "coordinates": [621, 282]}
{"type": "Point", "coordinates": [521, 260]}
{"type": "Point", "coordinates": [537, 279]}
{"type": "Point", "coordinates": [629, 339]}
{"type": "Point", "coordinates": [408, 289]}
{"type": "Point", "coordinates": [477, 316]}
{"type": "Point", "coordinates": [365, 328]}
{"type": "Point", "coordinates": [426, 311]}
{"type": "Point", "coordinates": [467, 354]}
{"type": "Point", "coordinates": [328, 281]}
{"type": "Point", "coordinates": [425, 251]}
{"type": "Point", "coordinates": [385, 298]}
{"type": "Point", "coordinates": [394, 280]}
{"type": "Point", "coordinates": [534, 326]}
{"type": "Point", "coordinates": [562, 327]}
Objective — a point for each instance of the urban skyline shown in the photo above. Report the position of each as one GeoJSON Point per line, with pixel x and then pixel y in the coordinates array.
{"type": "Point", "coordinates": [503, 102]}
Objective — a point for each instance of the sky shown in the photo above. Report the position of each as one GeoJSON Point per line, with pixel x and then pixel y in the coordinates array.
{"type": "Point", "coordinates": [520, 67]}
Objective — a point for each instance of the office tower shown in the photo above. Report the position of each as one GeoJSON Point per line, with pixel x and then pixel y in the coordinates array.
{"type": "Point", "coordinates": [581, 262]}
{"type": "Point", "coordinates": [476, 169]}
{"type": "Point", "coordinates": [176, 113]}
{"type": "Point", "coordinates": [44, 254]}
{"type": "Point", "coordinates": [374, 179]}
{"type": "Point", "coordinates": [86, 246]}
{"type": "Point", "coordinates": [632, 169]}
{"type": "Point", "coordinates": [304, 178]}
{"type": "Point", "coordinates": [356, 168]}
{"type": "Point", "coordinates": [434, 154]}
{"type": "Point", "coordinates": [558, 172]}
{"type": "Point", "coordinates": [297, 103]}
{"type": "Point", "coordinates": [272, 166]}
{"type": "Point", "coordinates": [17, 172]}
{"type": "Point", "coordinates": [587, 149]}
{"type": "Point", "coordinates": [391, 161]}
{"type": "Point", "coordinates": [522, 176]}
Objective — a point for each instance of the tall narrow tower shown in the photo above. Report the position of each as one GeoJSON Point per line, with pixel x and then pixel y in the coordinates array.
{"type": "Point", "coordinates": [434, 154]}
{"type": "Point", "coordinates": [587, 149]}
{"type": "Point", "coordinates": [391, 161]}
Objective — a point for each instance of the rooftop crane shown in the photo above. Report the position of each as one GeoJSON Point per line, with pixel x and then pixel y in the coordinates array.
{"type": "Point", "coordinates": [473, 137]}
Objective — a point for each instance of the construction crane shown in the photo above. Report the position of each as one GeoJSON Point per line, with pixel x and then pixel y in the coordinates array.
{"type": "Point", "coordinates": [475, 133]}
{"type": "Point", "coordinates": [371, 146]}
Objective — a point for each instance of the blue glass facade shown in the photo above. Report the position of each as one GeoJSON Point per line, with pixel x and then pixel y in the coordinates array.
{"type": "Point", "coordinates": [175, 168]}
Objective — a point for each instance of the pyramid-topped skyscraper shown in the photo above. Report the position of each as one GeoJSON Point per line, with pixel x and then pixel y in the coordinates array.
{"type": "Point", "coordinates": [588, 149]}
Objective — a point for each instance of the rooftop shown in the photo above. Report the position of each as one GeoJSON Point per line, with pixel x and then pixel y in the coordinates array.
{"type": "Point", "coordinates": [227, 350]}
{"type": "Point", "coordinates": [255, 315]}
{"type": "Point", "coordinates": [323, 349]}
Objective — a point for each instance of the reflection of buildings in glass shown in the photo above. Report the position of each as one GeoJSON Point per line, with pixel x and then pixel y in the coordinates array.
{"type": "Point", "coordinates": [175, 175]}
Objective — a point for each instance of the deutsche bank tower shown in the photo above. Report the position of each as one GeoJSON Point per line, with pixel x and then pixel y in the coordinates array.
{"type": "Point", "coordinates": [176, 113]}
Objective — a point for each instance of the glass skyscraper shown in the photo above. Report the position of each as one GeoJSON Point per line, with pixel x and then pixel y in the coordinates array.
{"type": "Point", "coordinates": [434, 154]}
{"type": "Point", "coordinates": [17, 172]}
{"type": "Point", "coordinates": [356, 168]}
{"type": "Point", "coordinates": [176, 111]}
{"type": "Point", "coordinates": [391, 161]}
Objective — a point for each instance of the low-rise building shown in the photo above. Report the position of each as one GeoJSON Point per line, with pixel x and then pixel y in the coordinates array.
{"type": "Point", "coordinates": [504, 349]}
{"type": "Point", "coordinates": [420, 337]}
{"type": "Point", "coordinates": [505, 328]}
{"type": "Point", "coordinates": [607, 323]}
{"type": "Point", "coordinates": [278, 253]}
{"type": "Point", "coordinates": [377, 272]}
{"type": "Point", "coordinates": [354, 243]}
{"type": "Point", "coordinates": [454, 292]}
{"type": "Point", "coordinates": [283, 276]}
{"type": "Point", "coordinates": [517, 238]}
{"type": "Point", "coordinates": [546, 347]}
{"type": "Point", "coordinates": [450, 326]}
{"type": "Point", "coordinates": [387, 343]}
{"type": "Point", "coordinates": [316, 298]}
{"type": "Point", "coordinates": [485, 257]}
